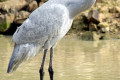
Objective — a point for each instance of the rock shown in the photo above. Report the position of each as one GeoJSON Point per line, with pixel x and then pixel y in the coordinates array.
{"type": "Point", "coordinates": [80, 27]}
{"type": "Point", "coordinates": [89, 36]}
{"type": "Point", "coordinates": [29, 1]}
{"type": "Point", "coordinates": [92, 27]}
{"type": "Point", "coordinates": [79, 24]}
{"type": "Point", "coordinates": [117, 9]}
{"type": "Point", "coordinates": [105, 36]}
{"type": "Point", "coordinates": [106, 29]}
{"type": "Point", "coordinates": [117, 15]}
{"type": "Point", "coordinates": [76, 23]}
{"type": "Point", "coordinates": [101, 17]}
{"type": "Point", "coordinates": [32, 6]}
{"type": "Point", "coordinates": [114, 9]}
{"type": "Point", "coordinates": [10, 17]}
{"type": "Point", "coordinates": [12, 4]}
{"type": "Point", "coordinates": [21, 16]}
{"type": "Point", "coordinates": [6, 21]}
{"type": "Point", "coordinates": [2, 0]}
{"type": "Point", "coordinates": [2, 19]}
{"type": "Point", "coordinates": [41, 3]}
{"type": "Point", "coordinates": [93, 16]}
{"type": "Point", "coordinates": [104, 26]}
{"type": "Point", "coordinates": [111, 10]}
{"type": "Point", "coordinates": [118, 25]}
{"type": "Point", "coordinates": [118, 36]}
{"type": "Point", "coordinates": [4, 27]}
{"type": "Point", "coordinates": [104, 9]}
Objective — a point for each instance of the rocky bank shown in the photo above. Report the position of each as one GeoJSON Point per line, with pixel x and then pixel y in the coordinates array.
{"type": "Point", "coordinates": [99, 23]}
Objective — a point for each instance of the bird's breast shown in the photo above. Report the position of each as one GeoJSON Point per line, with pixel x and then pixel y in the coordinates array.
{"type": "Point", "coordinates": [65, 27]}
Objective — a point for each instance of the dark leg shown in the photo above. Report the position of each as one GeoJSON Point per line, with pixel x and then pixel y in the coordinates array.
{"type": "Point", "coordinates": [50, 69]}
{"type": "Point", "coordinates": [42, 66]}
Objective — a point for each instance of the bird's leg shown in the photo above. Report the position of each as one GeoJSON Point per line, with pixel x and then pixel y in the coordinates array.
{"type": "Point", "coordinates": [50, 69]}
{"type": "Point", "coordinates": [42, 65]}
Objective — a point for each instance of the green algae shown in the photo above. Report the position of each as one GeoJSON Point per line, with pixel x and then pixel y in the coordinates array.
{"type": "Point", "coordinates": [4, 27]}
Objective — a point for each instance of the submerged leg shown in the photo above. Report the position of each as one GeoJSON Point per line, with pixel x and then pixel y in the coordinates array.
{"type": "Point", "coordinates": [50, 69]}
{"type": "Point", "coordinates": [42, 65]}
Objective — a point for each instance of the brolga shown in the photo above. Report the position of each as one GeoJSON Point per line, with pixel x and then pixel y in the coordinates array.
{"type": "Point", "coordinates": [43, 29]}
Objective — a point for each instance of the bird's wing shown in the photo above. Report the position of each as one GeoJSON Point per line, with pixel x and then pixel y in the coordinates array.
{"type": "Point", "coordinates": [43, 23]}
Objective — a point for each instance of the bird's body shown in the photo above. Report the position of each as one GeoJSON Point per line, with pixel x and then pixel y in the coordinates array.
{"type": "Point", "coordinates": [44, 27]}
{"type": "Point", "coordinates": [44, 24]}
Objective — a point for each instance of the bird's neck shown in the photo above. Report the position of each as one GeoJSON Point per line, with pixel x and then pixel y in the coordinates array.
{"type": "Point", "coordinates": [77, 6]}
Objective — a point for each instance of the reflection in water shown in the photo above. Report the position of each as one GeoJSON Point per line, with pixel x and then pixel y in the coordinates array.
{"type": "Point", "coordinates": [73, 60]}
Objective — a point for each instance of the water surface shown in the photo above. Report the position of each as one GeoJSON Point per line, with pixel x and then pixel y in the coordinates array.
{"type": "Point", "coordinates": [73, 60]}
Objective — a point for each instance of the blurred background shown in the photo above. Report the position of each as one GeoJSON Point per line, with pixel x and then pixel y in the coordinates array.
{"type": "Point", "coordinates": [101, 22]}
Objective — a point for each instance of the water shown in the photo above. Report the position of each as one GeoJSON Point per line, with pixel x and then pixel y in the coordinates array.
{"type": "Point", "coordinates": [73, 60]}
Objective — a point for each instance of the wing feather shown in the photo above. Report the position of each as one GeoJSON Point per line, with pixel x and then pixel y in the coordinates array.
{"type": "Point", "coordinates": [41, 24]}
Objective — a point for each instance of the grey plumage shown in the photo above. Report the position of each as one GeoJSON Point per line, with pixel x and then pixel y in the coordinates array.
{"type": "Point", "coordinates": [44, 27]}
{"type": "Point", "coordinates": [21, 53]}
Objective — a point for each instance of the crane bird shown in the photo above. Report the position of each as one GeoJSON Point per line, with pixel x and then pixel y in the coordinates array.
{"type": "Point", "coordinates": [43, 29]}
